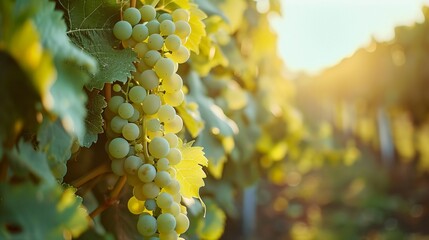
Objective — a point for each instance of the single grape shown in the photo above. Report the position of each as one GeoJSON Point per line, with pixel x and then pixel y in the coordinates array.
{"type": "Point", "coordinates": [175, 125]}
{"type": "Point", "coordinates": [181, 55]}
{"type": "Point", "coordinates": [174, 98]}
{"type": "Point", "coordinates": [183, 29]}
{"type": "Point", "coordinates": [117, 166]}
{"type": "Point", "coordinates": [135, 206]}
{"type": "Point", "coordinates": [164, 200]}
{"type": "Point", "coordinates": [132, 164]}
{"type": "Point", "coordinates": [150, 190]}
{"type": "Point", "coordinates": [174, 156]}
{"type": "Point", "coordinates": [126, 110]}
{"type": "Point", "coordinates": [129, 43]}
{"type": "Point", "coordinates": [151, 57]}
{"type": "Point", "coordinates": [172, 171]}
{"type": "Point", "coordinates": [180, 14]}
{"type": "Point", "coordinates": [169, 236]}
{"type": "Point", "coordinates": [133, 180]}
{"type": "Point", "coordinates": [132, 15]}
{"type": "Point", "coordinates": [166, 113]}
{"type": "Point", "coordinates": [159, 147]}
{"type": "Point", "coordinates": [172, 139]}
{"type": "Point", "coordinates": [138, 192]}
{"type": "Point", "coordinates": [182, 223]}
{"type": "Point", "coordinates": [162, 179]}
{"type": "Point", "coordinates": [147, 12]}
{"type": "Point", "coordinates": [142, 66]}
{"type": "Point", "coordinates": [164, 16]}
{"type": "Point", "coordinates": [148, 79]}
{"type": "Point", "coordinates": [153, 26]}
{"type": "Point", "coordinates": [153, 125]}
{"type": "Point", "coordinates": [164, 67]}
{"type": "Point", "coordinates": [140, 32]}
{"type": "Point", "coordinates": [137, 94]}
{"type": "Point", "coordinates": [116, 87]}
{"type": "Point", "coordinates": [130, 131]}
{"type": "Point", "coordinates": [166, 223]}
{"type": "Point", "coordinates": [117, 123]}
{"type": "Point", "coordinates": [162, 164]}
{"type": "Point", "coordinates": [173, 187]}
{"type": "Point", "coordinates": [136, 115]}
{"type": "Point", "coordinates": [146, 225]}
{"type": "Point", "coordinates": [146, 173]}
{"type": "Point", "coordinates": [173, 42]}
{"type": "Point", "coordinates": [174, 209]}
{"type": "Point", "coordinates": [119, 148]}
{"type": "Point", "coordinates": [141, 49]}
{"type": "Point", "coordinates": [155, 41]}
{"type": "Point", "coordinates": [115, 102]}
{"type": "Point", "coordinates": [167, 27]}
{"type": "Point", "coordinates": [151, 104]}
{"type": "Point", "coordinates": [122, 30]}
{"type": "Point", "coordinates": [173, 83]}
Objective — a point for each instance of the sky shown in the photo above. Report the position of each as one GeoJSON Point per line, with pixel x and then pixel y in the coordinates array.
{"type": "Point", "coordinates": [315, 34]}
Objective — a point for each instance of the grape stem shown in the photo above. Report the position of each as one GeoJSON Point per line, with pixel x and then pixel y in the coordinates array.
{"type": "Point", "coordinates": [113, 197]}
{"type": "Point", "coordinates": [145, 151]}
{"type": "Point", "coordinates": [154, 3]}
{"type": "Point", "coordinates": [133, 3]}
{"type": "Point", "coordinates": [102, 169]}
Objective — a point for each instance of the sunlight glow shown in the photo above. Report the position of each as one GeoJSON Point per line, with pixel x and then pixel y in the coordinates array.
{"type": "Point", "coordinates": [315, 34]}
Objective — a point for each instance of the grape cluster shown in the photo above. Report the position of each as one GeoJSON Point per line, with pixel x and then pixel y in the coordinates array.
{"type": "Point", "coordinates": [143, 122]}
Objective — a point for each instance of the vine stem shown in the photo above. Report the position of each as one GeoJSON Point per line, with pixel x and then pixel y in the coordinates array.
{"type": "Point", "coordinates": [113, 197]}
{"type": "Point", "coordinates": [102, 169]}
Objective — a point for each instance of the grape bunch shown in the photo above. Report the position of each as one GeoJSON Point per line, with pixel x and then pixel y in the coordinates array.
{"type": "Point", "coordinates": [143, 123]}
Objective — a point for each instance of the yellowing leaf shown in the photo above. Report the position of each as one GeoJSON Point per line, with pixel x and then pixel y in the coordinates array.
{"type": "Point", "coordinates": [189, 171]}
{"type": "Point", "coordinates": [213, 225]}
{"type": "Point", "coordinates": [191, 117]}
{"type": "Point", "coordinates": [198, 28]}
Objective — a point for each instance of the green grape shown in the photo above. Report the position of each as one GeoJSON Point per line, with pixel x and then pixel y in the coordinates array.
{"type": "Point", "coordinates": [141, 49]}
{"type": "Point", "coordinates": [132, 164]}
{"type": "Point", "coordinates": [174, 208]}
{"type": "Point", "coordinates": [116, 87]}
{"type": "Point", "coordinates": [162, 179]}
{"type": "Point", "coordinates": [151, 104]}
{"type": "Point", "coordinates": [125, 110]}
{"type": "Point", "coordinates": [150, 204]}
{"type": "Point", "coordinates": [146, 225]}
{"type": "Point", "coordinates": [166, 113]}
{"type": "Point", "coordinates": [172, 171]}
{"type": "Point", "coordinates": [162, 164]}
{"type": "Point", "coordinates": [137, 94]}
{"type": "Point", "coordinates": [153, 125]}
{"type": "Point", "coordinates": [172, 139]}
{"type": "Point", "coordinates": [159, 147]}
{"type": "Point", "coordinates": [173, 42]}
{"type": "Point", "coordinates": [119, 148]}
{"type": "Point", "coordinates": [150, 190]}
{"type": "Point", "coordinates": [132, 15]}
{"type": "Point", "coordinates": [169, 236]}
{"type": "Point", "coordinates": [115, 102]}
{"type": "Point", "coordinates": [175, 125]}
{"type": "Point", "coordinates": [180, 14]}
{"type": "Point", "coordinates": [167, 27]}
{"type": "Point", "coordinates": [148, 79]}
{"type": "Point", "coordinates": [142, 66]}
{"type": "Point", "coordinates": [151, 57]}
{"type": "Point", "coordinates": [135, 206]}
{"type": "Point", "coordinates": [183, 29]}
{"type": "Point", "coordinates": [174, 98]}
{"type": "Point", "coordinates": [117, 123]}
{"type": "Point", "coordinates": [153, 26]}
{"type": "Point", "coordinates": [147, 12]}
{"type": "Point", "coordinates": [173, 83]}
{"type": "Point", "coordinates": [181, 55]}
{"type": "Point", "coordinates": [164, 200]}
{"type": "Point", "coordinates": [117, 167]}
{"type": "Point", "coordinates": [146, 173]}
{"type": "Point", "coordinates": [122, 30]}
{"type": "Point", "coordinates": [164, 67]}
{"type": "Point", "coordinates": [129, 43]}
{"type": "Point", "coordinates": [164, 16]}
{"type": "Point", "coordinates": [130, 131]}
{"type": "Point", "coordinates": [174, 156]}
{"type": "Point", "coordinates": [182, 223]}
{"type": "Point", "coordinates": [138, 192]}
{"type": "Point", "coordinates": [166, 223]}
{"type": "Point", "coordinates": [136, 115]}
{"type": "Point", "coordinates": [155, 41]}
{"type": "Point", "coordinates": [133, 180]}
{"type": "Point", "coordinates": [140, 33]}
{"type": "Point", "coordinates": [173, 187]}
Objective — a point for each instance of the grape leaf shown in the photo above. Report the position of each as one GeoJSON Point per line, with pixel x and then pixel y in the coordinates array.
{"type": "Point", "coordinates": [189, 171]}
{"type": "Point", "coordinates": [90, 26]}
{"type": "Point", "coordinates": [198, 28]}
{"type": "Point", "coordinates": [94, 120]}
{"type": "Point", "coordinates": [24, 159]}
{"type": "Point", "coordinates": [40, 212]}
{"type": "Point", "coordinates": [213, 225]}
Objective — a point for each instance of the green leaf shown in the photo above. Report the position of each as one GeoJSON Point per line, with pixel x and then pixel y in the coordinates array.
{"type": "Point", "coordinates": [54, 141]}
{"type": "Point", "coordinates": [40, 212]}
{"type": "Point", "coordinates": [94, 120]}
{"type": "Point", "coordinates": [90, 26]}
{"type": "Point", "coordinates": [24, 160]}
